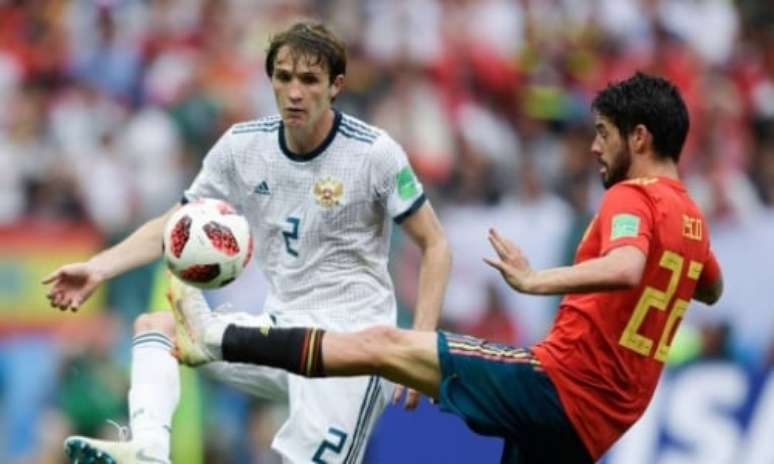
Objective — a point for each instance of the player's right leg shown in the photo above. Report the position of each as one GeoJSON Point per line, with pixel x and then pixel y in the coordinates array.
{"type": "Point", "coordinates": [153, 397]}
{"type": "Point", "coordinates": [406, 357]}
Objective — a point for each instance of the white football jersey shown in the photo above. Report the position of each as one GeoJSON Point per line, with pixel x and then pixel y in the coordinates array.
{"type": "Point", "coordinates": [321, 222]}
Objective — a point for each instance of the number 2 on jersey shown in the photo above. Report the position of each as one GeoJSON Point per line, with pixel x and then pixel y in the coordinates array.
{"type": "Point", "coordinates": [654, 298]}
{"type": "Point", "coordinates": [340, 437]}
{"type": "Point", "coordinates": [291, 235]}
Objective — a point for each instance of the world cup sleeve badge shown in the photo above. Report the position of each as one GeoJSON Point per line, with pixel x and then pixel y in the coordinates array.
{"type": "Point", "coordinates": [328, 192]}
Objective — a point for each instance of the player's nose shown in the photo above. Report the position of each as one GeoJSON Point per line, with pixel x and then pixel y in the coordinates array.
{"type": "Point", "coordinates": [294, 91]}
{"type": "Point", "coordinates": [596, 149]}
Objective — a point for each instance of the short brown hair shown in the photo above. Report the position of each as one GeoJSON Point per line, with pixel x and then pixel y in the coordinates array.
{"type": "Point", "coordinates": [314, 40]}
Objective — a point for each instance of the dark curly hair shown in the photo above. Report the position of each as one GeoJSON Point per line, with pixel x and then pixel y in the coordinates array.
{"type": "Point", "coordinates": [314, 40]}
{"type": "Point", "coordinates": [651, 101]}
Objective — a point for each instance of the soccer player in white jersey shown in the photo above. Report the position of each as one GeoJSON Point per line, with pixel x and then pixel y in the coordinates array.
{"type": "Point", "coordinates": [320, 189]}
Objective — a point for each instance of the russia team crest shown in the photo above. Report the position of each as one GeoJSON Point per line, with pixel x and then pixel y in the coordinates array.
{"type": "Point", "coordinates": [328, 192]}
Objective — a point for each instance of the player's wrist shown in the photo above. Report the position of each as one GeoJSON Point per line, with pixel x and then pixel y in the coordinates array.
{"type": "Point", "coordinates": [530, 283]}
{"type": "Point", "coordinates": [98, 270]}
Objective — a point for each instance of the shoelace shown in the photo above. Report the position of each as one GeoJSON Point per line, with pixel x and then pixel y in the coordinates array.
{"type": "Point", "coordinates": [124, 433]}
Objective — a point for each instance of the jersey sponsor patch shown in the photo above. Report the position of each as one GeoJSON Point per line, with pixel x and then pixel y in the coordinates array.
{"type": "Point", "coordinates": [625, 225]}
{"type": "Point", "coordinates": [406, 183]}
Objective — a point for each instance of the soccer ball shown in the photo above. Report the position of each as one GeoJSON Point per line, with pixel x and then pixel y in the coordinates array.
{"type": "Point", "coordinates": [207, 243]}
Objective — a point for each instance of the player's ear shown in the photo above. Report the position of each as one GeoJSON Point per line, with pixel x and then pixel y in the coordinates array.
{"type": "Point", "coordinates": [336, 85]}
{"type": "Point", "coordinates": [640, 138]}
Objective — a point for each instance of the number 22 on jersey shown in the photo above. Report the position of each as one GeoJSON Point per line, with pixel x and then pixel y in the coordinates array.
{"type": "Point", "coordinates": [655, 298]}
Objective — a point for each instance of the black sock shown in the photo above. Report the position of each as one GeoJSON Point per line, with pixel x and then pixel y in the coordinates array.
{"type": "Point", "coordinates": [296, 350]}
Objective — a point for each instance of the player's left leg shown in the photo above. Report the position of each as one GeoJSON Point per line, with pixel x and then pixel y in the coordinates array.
{"type": "Point", "coordinates": [153, 397]}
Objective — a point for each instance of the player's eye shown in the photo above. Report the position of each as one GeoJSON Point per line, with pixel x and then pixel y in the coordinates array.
{"type": "Point", "coordinates": [309, 79]}
{"type": "Point", "coordinates": [282, 76]}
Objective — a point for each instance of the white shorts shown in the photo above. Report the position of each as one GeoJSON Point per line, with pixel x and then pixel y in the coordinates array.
{"type": "Point", "coordinates": [330, 419]}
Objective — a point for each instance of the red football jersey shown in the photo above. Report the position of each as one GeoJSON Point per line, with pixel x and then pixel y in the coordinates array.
{"type": "Point", "coordinates": [606, 349]}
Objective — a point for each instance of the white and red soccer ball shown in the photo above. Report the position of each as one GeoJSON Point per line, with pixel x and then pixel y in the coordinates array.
{"type": "Point", "coordinates": [207, 243]}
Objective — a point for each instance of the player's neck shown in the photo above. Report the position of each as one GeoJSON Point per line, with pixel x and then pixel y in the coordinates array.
{"type": "Point", "coordinates": [303, 141]}
{"type": "Point", "coordinates": [651, 167]}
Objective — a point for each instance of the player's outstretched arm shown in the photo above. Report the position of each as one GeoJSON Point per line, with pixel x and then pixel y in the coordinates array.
{"type": "Point", "coordinates": [407, 357]}
{"type": "Point", "coordinates": [73, 284]}
{"type": "Point", "coordinates": [621, 268]}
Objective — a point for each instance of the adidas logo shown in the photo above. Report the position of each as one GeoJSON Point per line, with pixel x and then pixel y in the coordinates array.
{"type": "Point", "coordinates": [262, 189]}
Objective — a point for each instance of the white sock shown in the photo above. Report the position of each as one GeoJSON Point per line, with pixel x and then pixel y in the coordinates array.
{"type": "Point", "coordinates": [155, 391]}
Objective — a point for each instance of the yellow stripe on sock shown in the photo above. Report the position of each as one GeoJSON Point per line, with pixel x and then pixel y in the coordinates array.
{"type": "Point", "coordinates": [310, 352]}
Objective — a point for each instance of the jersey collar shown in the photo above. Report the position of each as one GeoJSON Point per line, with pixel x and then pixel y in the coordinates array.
{"type": "Point", "coordinates": [677, 183]}
{"type": "Point", "coordinates": [317, 151]}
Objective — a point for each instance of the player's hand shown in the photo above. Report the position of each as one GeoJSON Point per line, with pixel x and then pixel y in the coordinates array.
{"type": "Point", "coordinates": [71, 285]}
{"type": "Point", "coordinates": [412, 397]}
{"type": "Point", "coordinates": [511, 262]}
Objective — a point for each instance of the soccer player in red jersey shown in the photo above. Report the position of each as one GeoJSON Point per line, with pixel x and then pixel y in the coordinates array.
{"type": "Point", "coordinates": [571, 396]}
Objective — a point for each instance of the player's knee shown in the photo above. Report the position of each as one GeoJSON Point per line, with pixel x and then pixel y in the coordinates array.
{"type": "Point", "coordinates": [155, 322]}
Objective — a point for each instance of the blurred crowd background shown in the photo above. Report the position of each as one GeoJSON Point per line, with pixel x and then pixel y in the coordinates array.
{"type": "Point", "coordinates": [108, 108]}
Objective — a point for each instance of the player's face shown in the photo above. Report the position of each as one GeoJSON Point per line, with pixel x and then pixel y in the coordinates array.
{"type": "Point", "coordinates": [302, 89]}
{"type": "Point", "coordinates": [612, 152]}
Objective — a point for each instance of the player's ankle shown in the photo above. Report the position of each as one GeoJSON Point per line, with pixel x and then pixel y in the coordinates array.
{"type": "Point", "coordinates": [212, 338]}
{"type": "Point", "coordinates": [296, 350]}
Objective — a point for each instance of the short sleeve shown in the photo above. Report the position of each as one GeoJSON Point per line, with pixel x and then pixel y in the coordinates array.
{"type": "Point", "coordinates": [216, 177]}
{"type": "Point", "coordinates": [710, 275]}
{"type": "Point", "coordinates": [625, 218]}
{"type": "Point", "coordinates": [395, 184]}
